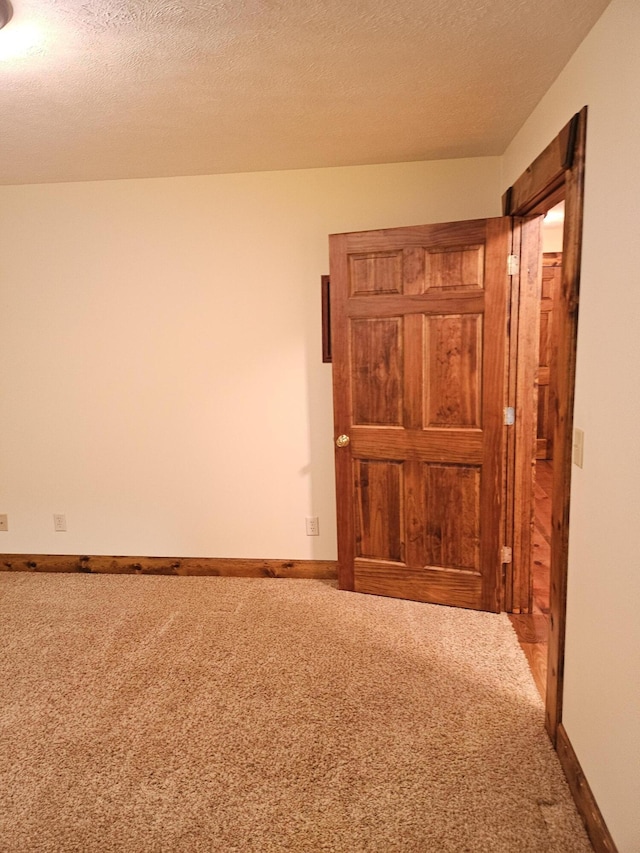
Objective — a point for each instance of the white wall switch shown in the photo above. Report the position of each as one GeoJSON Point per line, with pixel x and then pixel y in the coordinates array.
{"type": "Point", "coordinates": [578, 447]}
{"type": "Point", "coordinates": [59, 522]}
{"type": "Point", "coordinates": [4, 521]}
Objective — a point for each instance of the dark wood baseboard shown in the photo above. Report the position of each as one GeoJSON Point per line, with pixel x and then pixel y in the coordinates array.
{"type": "Point", "coordinates": [192, 566]}
{"type": "Point", "coordinates": [583, 796]}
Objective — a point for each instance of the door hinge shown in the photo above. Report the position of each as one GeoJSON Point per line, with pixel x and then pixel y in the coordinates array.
{"type": "Point", "coordinates": [513, 265]}
{"type": "Point", "coordinates": [506, 554]}
{"type": "Point", "coordinates": [509, 416]}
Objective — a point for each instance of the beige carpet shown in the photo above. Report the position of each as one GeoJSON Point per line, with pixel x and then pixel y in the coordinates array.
{"type": "Point", "coordinates": [209, 714]}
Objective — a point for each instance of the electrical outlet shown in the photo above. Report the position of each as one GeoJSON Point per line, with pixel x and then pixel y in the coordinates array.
{"type": "Point", "coordinates": [4, 521]}
{"type": "Point", "coordinates": [313, 528]}
{"type": "Point", "coordinates": [59, 522]}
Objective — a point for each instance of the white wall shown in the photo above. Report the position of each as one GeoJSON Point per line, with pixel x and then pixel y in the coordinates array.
{"type": "Point", "coordinates": [160, 344]}
{"type": "Point", "coordinates": [602, 694]}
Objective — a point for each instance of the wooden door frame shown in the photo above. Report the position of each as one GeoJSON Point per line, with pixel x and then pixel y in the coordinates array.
{"type": "Point", "coordinates": [556, 174]}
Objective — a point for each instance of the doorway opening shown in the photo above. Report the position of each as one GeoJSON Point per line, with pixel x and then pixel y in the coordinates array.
{"type": "Point", "coordinates": [533, 627]}
{"type": "Point", "coordinates": [556, 175]}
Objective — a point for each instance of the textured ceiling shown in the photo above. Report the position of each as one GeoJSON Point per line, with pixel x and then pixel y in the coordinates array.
{"type": "Point", "coordinates": [141, 88]}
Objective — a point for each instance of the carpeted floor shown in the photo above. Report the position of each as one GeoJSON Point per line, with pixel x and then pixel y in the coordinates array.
{"type": "Point", "coordinates": [212, 714]}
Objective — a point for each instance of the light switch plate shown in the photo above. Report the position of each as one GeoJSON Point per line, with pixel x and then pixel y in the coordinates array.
{"type": "Point", "coordinates": [578, 447]}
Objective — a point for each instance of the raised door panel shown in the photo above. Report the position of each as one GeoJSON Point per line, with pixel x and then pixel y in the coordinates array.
{"type": "Point", "coordinates": [455, 268]}
{"type": "Point", "coordinates": [375, 273]}
{"type": "Point", "coordinates": [453, 370]}
{"type": "Point", "coordinates": [379, 510]}
{"type": "Point", "coordinates": [452, 503]}
{"type": "Point", "coordinates": [376, 363]}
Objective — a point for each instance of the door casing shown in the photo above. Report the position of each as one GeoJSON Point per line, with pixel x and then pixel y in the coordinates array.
{"type": "Point", "coordinates": [556, 174]}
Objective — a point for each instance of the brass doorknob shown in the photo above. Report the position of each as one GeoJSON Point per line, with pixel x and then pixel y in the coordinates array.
{"type": "Point", "coordinates": [342, 440]}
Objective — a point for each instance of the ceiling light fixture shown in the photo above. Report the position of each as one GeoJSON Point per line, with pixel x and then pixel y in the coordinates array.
{"type": "Point", "coordinates": [6, 12]}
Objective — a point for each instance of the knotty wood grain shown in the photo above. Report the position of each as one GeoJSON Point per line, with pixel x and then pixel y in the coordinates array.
{"type": "Point", "coordinates": [375, 273]}
{"type": "Point", "coordinates": [342, 406]}
{"type": "Point", "coordinates": [439, 234]}
{"type": "Point", "coordinates": [453, 384]}
{"type": "Point", "coordinates": [563, 389]}
{"type": "Point", "coordinates": [498, 245]}
{"type": "Point", "coordinates": [183, 566]}
{"type": "Point", "coordinates": [546, 174]}
{"type": "Point", "coordinates": [377, 353]}
{"type": "Point", "coordinates": [551, 273]}
{"type": "Point", "coordinates": [594, 822]}
{"type": "Point", "coordinates": [379, 509]}
{"type": "Point", "coordinates": [526, 403]}
{"type": "Point", "coordinates": [427, 584]}
{"type": "Point", "coordinates": [510, 571]}
{"type": "Point", "coordinates": [459, 268]}
{"type": "Point", "coordinates": [427, 445]}
{"type": "Point", "coordinates": [455, 302]}
{"type": "Point", "coordinates": [453, 529]}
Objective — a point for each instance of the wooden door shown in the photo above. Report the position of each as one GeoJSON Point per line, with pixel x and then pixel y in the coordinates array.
{"type": "Point", "coordinates": [419, 335]}
{"type": "Point", "coordinates": [551, 276]}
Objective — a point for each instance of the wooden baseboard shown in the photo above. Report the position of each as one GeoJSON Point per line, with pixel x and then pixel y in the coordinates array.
{"type": "Point", "coordinates": [583, 796]}
{"type": "Point", "coordinates": [193, 566]}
